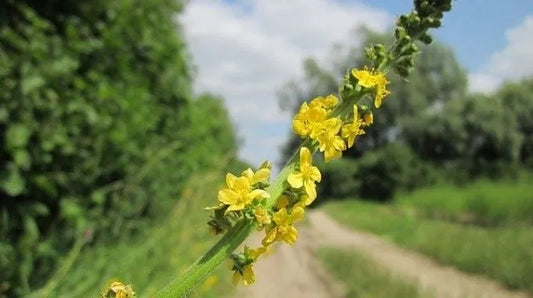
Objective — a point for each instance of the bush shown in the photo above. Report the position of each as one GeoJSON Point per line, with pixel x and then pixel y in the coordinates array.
{"type": "Point", "coordinates": [386, 171]}
{"type": "Point", "coordinates": [97, 129]}
{"type": "Point", "coordinates": [339, 180]}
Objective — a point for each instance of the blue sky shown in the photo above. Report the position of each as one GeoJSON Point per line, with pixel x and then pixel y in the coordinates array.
{"type": "Point", "coordinates": [244, 50]}
{"type": "Point", "coordinates": [474, 28]}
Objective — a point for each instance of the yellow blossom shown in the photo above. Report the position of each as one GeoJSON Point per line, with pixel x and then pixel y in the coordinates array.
{"type": "Point", "coordinates": [306, 176]}
{"type": "Point", "coordinates": [254, 253]}
{"type": "Point", "coordinates": [247, 275]}
{"type": "Point", "coordinates": [329, 142]}
{"type": "Point", "coordinates": [118, 290]}
{"type": "Point", "coordinates": [365, 77]}
{"type": "Point", "coordinates": [309, 120]}
{"type": "Point", "coordinates": [352, 130]}
{"type": "Point", "coordinates": [262, 216]}
{"type": "Point", "coordinates": [262, 175]}
{"type": "Point", "coordinates": [381, 86]}
{"type": "Point", "coordinates": [371, 79]}
{"type": "Point", "coordinates": [283, 230]}
{"type": "Point", "coordinates": [327, 102]}
{"type": "Point", "coordinates": [239, 193]}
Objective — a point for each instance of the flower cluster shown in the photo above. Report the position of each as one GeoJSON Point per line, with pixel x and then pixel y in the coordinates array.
{"type": "Point", "coordinates": [244, 196]}
{"type": "Point", "coordinates": [335, 134]}
{"type": "Point", "coordinates": [373, 79]}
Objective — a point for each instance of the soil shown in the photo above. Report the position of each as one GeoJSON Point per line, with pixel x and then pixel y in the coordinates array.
{"type": "Point", "coordinates": [295, 271]}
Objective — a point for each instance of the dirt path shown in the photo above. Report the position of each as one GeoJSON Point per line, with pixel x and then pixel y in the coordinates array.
{"type": "Point", "coordinates": [296, 272]}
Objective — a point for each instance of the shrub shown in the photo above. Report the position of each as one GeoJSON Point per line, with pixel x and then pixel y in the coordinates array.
{"type": "Point", "coordinates": [97, 130]}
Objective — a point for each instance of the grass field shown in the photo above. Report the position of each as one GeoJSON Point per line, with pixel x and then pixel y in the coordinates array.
{"type": "Point", "coordinates": [362, 277]}
{"type": "Point", "coordinates": [503, 253]}
{"type": "Point", "coordinates": [153, 259]}
{"type": "Point", "coordinates": [482, 203]}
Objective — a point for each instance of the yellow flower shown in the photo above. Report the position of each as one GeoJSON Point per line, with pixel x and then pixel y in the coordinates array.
{"type": "Point", "coordinates": [262, 175]}
{"type": "Point", "coordinates": [254, 253]}
{"type": "Point", "coordinates": [328, 102]}
{"type": "Point", "coordinates": [381, 92]}
{"type": "Point", "coordinates": [262, 216]}
{"type": "Point", "coordinates": [239, 193]}
{"type": "Point", "coordinates": [352, 130]}
{"type": "Point", "coordinates": [306, 176]}
{"type": "Point", "coordinates": [247, 275]}
{"type": "Point", "coordinates": [329, 142]}
{"type": "Point", "coordinates": [308, 121]}
{"type": "Point", "coordinates": [371, 79]}
{"type": "Point", "coordinates": [284, 229]}
{"type": "Point", "coordinates": [365, 78]}
{"type": "Point", "coordinates": [118, 290]}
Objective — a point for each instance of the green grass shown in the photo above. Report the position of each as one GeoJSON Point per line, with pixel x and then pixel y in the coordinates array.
{"type": "Point", "coordinates": [154, 258]}
{"type": "Point", "coordinates": [503, 253]}
{"type": "Point", "coordinates": [362, 277]}
{"type": "Point", "coordinates": [483, 202]}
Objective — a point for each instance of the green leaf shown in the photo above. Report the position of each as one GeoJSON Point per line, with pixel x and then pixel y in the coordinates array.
{"type": "Point", "coordinates": [12, 183]}
{"type": "Point", "coordinates": [22, 159]}
{"type": "Point", "coordinates": [17, 136]}
{"type": "Point", "coordinates": [31, 83]}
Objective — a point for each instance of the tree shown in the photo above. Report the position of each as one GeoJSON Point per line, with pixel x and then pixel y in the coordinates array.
{"type": "Point", "coordinates": [98, 130]}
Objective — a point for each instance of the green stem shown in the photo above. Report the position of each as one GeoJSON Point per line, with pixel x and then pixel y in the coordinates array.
{"type": "Point", "coordinates": [229, 242]}
{"type": "Point", "coordinates": [207, 263]}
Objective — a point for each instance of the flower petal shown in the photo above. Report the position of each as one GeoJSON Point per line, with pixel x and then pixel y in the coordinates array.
{"type": "Point", "coordinates": [295, 179]}
{"type": "Point", "coordinates": [235, 207]}
{"type": "Point", "coordinates": [230, 179]}
{"type": "Point", "coordinates": [227, 196]}
{"type": "Point", "coordinates": [236, 278]}
{"type": "Point", "coordinates": [297, 214]}
{"type": "Point", "coordinates": [258, 193]}
{"type": "Point", "coordinates": [261, 175]}
{"type": "Point", "coordinates": [248, 275]}
{"type": "Point", "coordinates": [248, 173]}
{"type": "Point", "coordinates": [270, 237]}
{"type": "Point", "coordinates": [291, 235]}
{"type": "Point", "coordinates": [305, 156]}
{"type": "Point", "coordinates": [310, 188]}
{"type": "Point", "coordinates": [281, 216]}
{"type": "Point", "coordinates": [315, 174]}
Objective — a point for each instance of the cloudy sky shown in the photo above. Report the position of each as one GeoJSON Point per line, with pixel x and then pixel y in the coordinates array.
{"type": "Point", "coordinates": [244, 50]}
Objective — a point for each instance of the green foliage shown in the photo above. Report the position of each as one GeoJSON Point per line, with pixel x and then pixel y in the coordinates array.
{"type": "Point", "coordinates": [97, 128]}
{"type": "Point", "coordinates": [482, 202]}
{"type": "Point", "coordinates": [154, 256]}
{"type": "Point", "coordinates": [476, 133]}
{"type": "Point", "coordinates": [364, 278]}
{"type": "Point", "coordinates": [517, 99]}
{"type": "Point", "coordinates": [392, 168]}
{"type": "Point", "coordinates": [501, 253]}
{"type": "Point", "coordinates": [338, 180]}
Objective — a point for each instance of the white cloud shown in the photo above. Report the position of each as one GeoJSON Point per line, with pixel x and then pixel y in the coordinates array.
{"type": "Point", "coordinates": [511, 63]}
{"type": "Point", "coordinates": [247, 49]}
